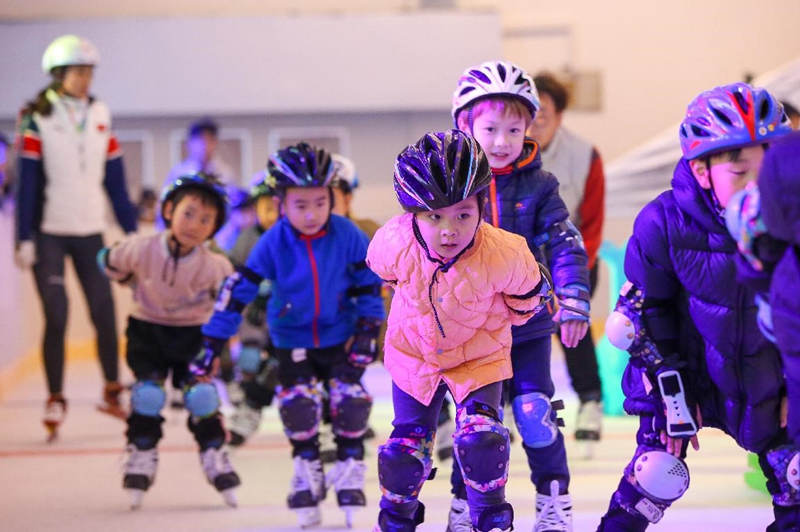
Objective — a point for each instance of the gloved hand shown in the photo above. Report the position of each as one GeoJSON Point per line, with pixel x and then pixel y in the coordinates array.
{"type": "Point", "coordinates": [364, 347]}
{"type": "Point", "coordinates": [573, 313]}
{"type": "Point", "coordinates": [203, 362]}
{"type": "Point", "coordinates": [25, 254]}
{"type": "Point", "coordinates": [745, 224]}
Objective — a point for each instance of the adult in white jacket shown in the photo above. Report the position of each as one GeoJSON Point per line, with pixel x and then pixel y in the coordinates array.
{"type": "Point", "coordinates": [70, 164]}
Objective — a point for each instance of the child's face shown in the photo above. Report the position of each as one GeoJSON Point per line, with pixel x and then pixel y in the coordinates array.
{"type": "Point", "coordinates": [307, 208]}
{"type": "Point", "coordinates": [267, 211]}
{"type": "Point", "coordinates": [728, 175]}
{"type": "Point", "coordinates": [192, 221]}
{"type": "Point", "coordinates": [449, 230]}
{"type": "Point", "coordinates": [500, 135]}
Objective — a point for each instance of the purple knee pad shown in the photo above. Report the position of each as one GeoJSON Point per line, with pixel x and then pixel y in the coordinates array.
{"type": "Point", "coordinates": [405, 463]}
{"type": "Point", "coordinates": [482, 446]}
{"type": "Point", "coordinates": [300, 407]}
{"type": "Point", "coordinates": [350, 408]}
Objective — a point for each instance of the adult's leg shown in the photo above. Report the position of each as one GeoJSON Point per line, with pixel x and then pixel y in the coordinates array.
{"type": "Point", "coordinates": [97, 290]}
{"type": "Point", "coordinates": [582, 360]}
{"type": "Point", "coordinates": [49, 275]}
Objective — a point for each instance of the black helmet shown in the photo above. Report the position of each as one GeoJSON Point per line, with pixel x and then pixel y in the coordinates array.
{"type": "Point", "coordinates": [441, 169]}
{"type": "Point", "coordinates": [300, 165]}
{"type": "Point", "coordinates": [199, 181]}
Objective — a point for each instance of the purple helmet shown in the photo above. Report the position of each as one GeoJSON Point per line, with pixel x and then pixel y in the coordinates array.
{"type": "Point", "coordinates": [494, 78]}
{"type": "Point", "coordinates": [440, 170]}
{"type": "Point", "coordinates": [730, 117]}
{"type": "Point", "coordinates": [300, 165]}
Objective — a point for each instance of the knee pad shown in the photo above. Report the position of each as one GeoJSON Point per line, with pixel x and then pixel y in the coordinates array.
{"type": "Point", "coordinates": [147, 398]}
{"type": "Point", "coordinates": [496, 517]}
{"type": "Point", "coordinates": [482, 447]}
{"type": "Point", "coordinates": [785, 462]}
{"type": "Point", "coordinates": [201, 400]}
{"type": "Point", "coordinates": [300, 408]}
{"type": "Point", "coordinates": [249, 360]}
{"type": "Point", "coordinates": [654, 480]}
{"type": "Point", "coordinates": [405, 463]}
{"type": "Point", "coordinates": [535, 419]}
{"type": "Point", "coordinates": [350, 407]}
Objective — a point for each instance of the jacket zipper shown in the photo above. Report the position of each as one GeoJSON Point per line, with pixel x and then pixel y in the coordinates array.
{"type": "Point", "coordinates": [315, 277]}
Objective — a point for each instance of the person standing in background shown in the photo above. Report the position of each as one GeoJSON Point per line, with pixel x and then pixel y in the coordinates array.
{"type": "Point", "coordinates": [202, 141]}
{"type": "Point", "coordinates": [70, 164]}
{"type": "Point", "coordinates": [579, 169]}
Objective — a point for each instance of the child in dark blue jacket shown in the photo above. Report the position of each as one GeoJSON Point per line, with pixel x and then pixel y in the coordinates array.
{"type": "Point", "coordinates": [765, 220]}
{"type": "Point", "coordinates": [495, 102]}
{"type": "Point", "coordinates": [324, 315]}
{"type": "Point", "coordinates": [697, 356]}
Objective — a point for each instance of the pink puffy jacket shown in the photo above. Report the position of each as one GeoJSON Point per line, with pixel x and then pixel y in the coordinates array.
{"type": "Point", "coordinates": [474, 303]}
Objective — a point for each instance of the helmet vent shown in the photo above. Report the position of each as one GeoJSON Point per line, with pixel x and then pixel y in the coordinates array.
{"type": "Point", "coordinates": [466, 90]}
{"type": "Point", "coordinates": [722, 117]}
{"type": "Point", "coordinates": [764, 110]}
{"type": "Point", "coordinates": [480, 75]}
{"type": "Point", "coordinates": [699, 132]}
{"type": "Point", "coordinates": [502, 71]}
{"type": "Point", "coordinates": [740, 99]}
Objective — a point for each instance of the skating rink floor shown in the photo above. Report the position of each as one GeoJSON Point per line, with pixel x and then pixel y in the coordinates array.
{"type": "Point", "coordinates": [74, 484]}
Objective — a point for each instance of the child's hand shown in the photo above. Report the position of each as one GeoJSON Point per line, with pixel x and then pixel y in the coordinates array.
{"type": "Point", "coordinates": [674, 445]}
{"type": "Point", "coordinates": [573, 331]}
{"type": "Point", "coordinates": [784, 412]}
{"type": "Point", "coordinates": [205, 364]}
{"type": "Point", "coordinates": [362, 348]}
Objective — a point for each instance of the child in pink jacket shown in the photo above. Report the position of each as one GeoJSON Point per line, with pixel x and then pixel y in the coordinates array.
{"type": "Point", "coordinates": [460, 284]}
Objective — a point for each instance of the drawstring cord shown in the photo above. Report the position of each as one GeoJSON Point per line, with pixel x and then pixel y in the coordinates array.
{"type": "Point", "coordinates": [174, 255]}
{"type": "Point", "coordinates": [443, 267]}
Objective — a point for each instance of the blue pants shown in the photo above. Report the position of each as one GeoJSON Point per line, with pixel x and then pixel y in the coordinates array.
{"type": "Point", "coordinates": [409, 411]}
{"type": "Point", "coordinates": [531, 362]}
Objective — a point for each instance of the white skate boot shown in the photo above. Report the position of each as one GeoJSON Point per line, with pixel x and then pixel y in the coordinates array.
{"type": "Point", "coordinates": [140, 472]}
{"type": "Point", "coordinates": [588, 427]}
{"type": "Point", "coordinates": [244, 423]}
{"type": "Point", "coordinates": [220, 474]}
{"type": "Point", "coordinates": [347, 478]}
{"type": "Point", "coordinates": [554, 511]}
{"type": "Point", "coordinates": [55, 410]}
{"type": "Point", "coordinates": [307, 490]}
{"type": "Point", "coordinates": [458, 519]}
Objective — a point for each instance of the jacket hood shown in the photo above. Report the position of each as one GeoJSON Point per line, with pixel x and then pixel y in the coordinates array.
{"type": "Point", "coordinates": [694, 200]}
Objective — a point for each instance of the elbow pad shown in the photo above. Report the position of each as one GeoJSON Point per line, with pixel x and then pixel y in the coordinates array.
{"type": "Point", "coordinates": [625, 328]}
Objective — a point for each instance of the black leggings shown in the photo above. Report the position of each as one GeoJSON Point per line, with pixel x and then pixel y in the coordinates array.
{"type": "Point", "coordinates": [49, 274]}
{"type": "Point", "coordinates": [582, 359]}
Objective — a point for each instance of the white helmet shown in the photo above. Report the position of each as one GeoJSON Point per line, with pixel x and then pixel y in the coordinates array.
{"type": "Point", "coordinates": [69, 50]}
{"type": "Point", "coordinates": [494, 78]}
{"type": "Point", "coordinates": [344, 172]}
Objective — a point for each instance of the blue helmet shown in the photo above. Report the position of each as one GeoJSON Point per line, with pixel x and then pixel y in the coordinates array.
{"type": "Point", "coordinates": [301, 165]}
{"type": "Point", "coordinates": [199, 181]}
{"type": "Point", "coordinates": [729, 117]}
{"type": "Point", "coordinates": [440, 170]}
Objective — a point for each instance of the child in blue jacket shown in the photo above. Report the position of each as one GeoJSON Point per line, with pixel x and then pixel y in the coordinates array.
{"type": "Point", "coordinates": [697, 356]}
{"type": "Point", "coordinates": [495, 102]}
{"type": "Point", "coordinates": [324, 315]}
